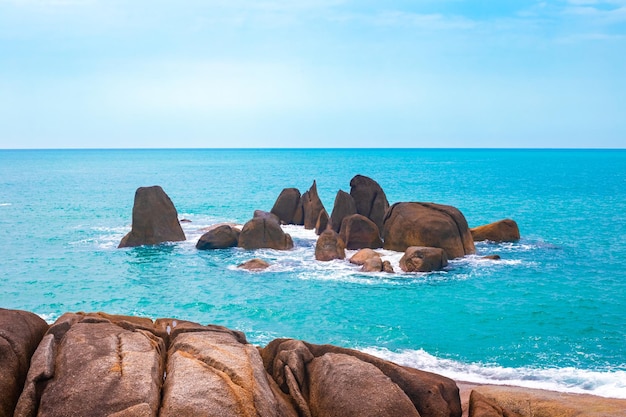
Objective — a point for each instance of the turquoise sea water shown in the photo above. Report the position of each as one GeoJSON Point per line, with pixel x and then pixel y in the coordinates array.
{"type": "Point", "coordinates": [550, 314]}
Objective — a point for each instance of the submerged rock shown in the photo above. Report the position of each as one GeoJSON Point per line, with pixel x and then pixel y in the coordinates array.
{"type": "Point", "coordinates": [501, 231]}
{"type": "Point", "coordinates": [155, 219]}
{"type": "Point", "coordinates": [254, 265]}
{"type": "Point", "coordinates": [430, 225]}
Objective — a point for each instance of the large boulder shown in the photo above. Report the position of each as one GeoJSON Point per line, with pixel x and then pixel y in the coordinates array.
{"type": "Point", "coordinates": [20, 334]}
{"type": "Point", "coordinates": [359, 232]}
{"type": "Point", "coordinates": [501, 231]}
{"type": "Point", "coordinates": [342, 385]}
{"type": "Point", "coordinates": [344, 206]}
{"type": "Point", "coordinates": [288, 207]}
{"type": "Point", "coordinates": [90, 365]}
{"type": "Point", "coordinates": [215, 373]}
{"type": "Point", "coordinates": [311, 207]}
{"type": "Point", "coordinates": [427, 224]}
{"type": "Point", "coordinates": [220, 237]}
{"type": "Point", "coordinates": [329, 246]}
{"type": "Point", "coordinates": [423, 259]}
{"type": "Point", "coordinates": [327, 380]}
{"type": "Point", "coordinates": [369, 198]}
{"type": "Point", "coordinates": [264, 232]}
{"type": "Point", "coordinates": [155, 219]}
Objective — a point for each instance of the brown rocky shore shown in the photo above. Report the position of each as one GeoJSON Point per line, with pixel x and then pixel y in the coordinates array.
{"type": "Point", "coordinates": [96, 364]}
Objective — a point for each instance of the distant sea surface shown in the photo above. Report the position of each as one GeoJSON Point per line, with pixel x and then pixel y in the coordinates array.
{"type": "Point", "coordinates": [551, 314]}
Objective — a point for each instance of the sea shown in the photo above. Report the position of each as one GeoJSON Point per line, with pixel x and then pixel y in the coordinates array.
{"type": "Point", "coordinates": [550, 314]}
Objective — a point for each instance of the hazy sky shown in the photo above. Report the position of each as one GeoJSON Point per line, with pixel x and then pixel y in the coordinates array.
{"type": "Point", "coordinates": [325, 73]}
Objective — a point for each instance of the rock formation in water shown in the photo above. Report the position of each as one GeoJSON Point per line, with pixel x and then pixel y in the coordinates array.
{"type": "Point", "coordinates": [427, 224]}
{"type": "Point", "coordinates": [155, 219]}
{"type": "Point", "coordinates": [344, 206]}
{"type": "Point", "coordinates": [288, 207]}
{"type": "Point", "coordinates": [423, 259]}
{"type": "Point", "coordinates": [220, 237]}
{"type": "Point", "coordinates": [358, 232]}
{"type": "Point", "coordinates": [311, 207]}
{"type": "Point", "coordinates": [369, 198]}
{"type": "Point", "coordinates": [264, 232]}
{"type": "Point", "coordinates": [329, 246]}
{"type": "Point", "coordinates": [501, 231]}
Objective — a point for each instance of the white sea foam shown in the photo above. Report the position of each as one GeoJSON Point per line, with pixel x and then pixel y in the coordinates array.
{"type": "Point", "coordinates": [5, 204]}
{"type": "Point", "coordinates": [610, 383]}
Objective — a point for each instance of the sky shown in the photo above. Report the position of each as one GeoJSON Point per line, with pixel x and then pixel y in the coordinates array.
{"type": "Point", "coordinates": [308, 74]}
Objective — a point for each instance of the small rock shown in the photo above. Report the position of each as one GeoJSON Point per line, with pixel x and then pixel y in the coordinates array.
{"type": "Point", "coordinates": [423, 259]}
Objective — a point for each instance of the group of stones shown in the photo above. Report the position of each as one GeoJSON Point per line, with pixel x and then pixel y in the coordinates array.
{"type": "Point", "coordinates": [429, 234]}
{"type": "Point", "coordinates": [96, 364]}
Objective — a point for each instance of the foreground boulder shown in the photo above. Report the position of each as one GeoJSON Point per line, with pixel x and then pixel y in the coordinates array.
{"type": "Point", "coordinates": [427, 224]}
{"type": "Point", "coordinates": [288, 207]}
{"type": "Point", "coordinates": [264, 232]}
{"type": "Point", "coordinates": [216, 373]}
{"type": "Point", "coordinates": [423, 259]}
{"type": "Point", "coordinates": [359, 232]}
{"type": "Point", "coordinates": [344, 207]}
{"type": "Point", "coordinates": [326, 380]}
{"type": "Point", "coordinates": [501, 231]}
{"type": "Point", "coordinates": [369, 198]}
{"type": "Point", "coordinates": [20, 334]}
{"type": "Point", "coordinates": [87, 365]}
{"type": "Point", "coordinates": [311, 207]}
{"type": "Point", "coordinates": [155, 219]}
{"type": "Point", "coordinates": [220, 237]}
{"type": "Point", "coordinates": [329, 246]}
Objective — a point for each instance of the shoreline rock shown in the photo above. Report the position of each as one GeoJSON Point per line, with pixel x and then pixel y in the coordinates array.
{"type": "Point", "coordinates": [99, 364]}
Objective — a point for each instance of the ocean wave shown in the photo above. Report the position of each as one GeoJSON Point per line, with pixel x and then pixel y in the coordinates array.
{"type": "Point", "coordinates": [5, 204]}
{"type": "Point", "coordinates": [605, 383]}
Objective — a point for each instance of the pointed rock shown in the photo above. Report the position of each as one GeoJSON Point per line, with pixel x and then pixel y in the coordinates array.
{"type": "Point", "coordinates": [311, 207]}
{"type": "Point", "coordinates": [155, 219]}
{"type": "Point", "coordinates": [344, 207]}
